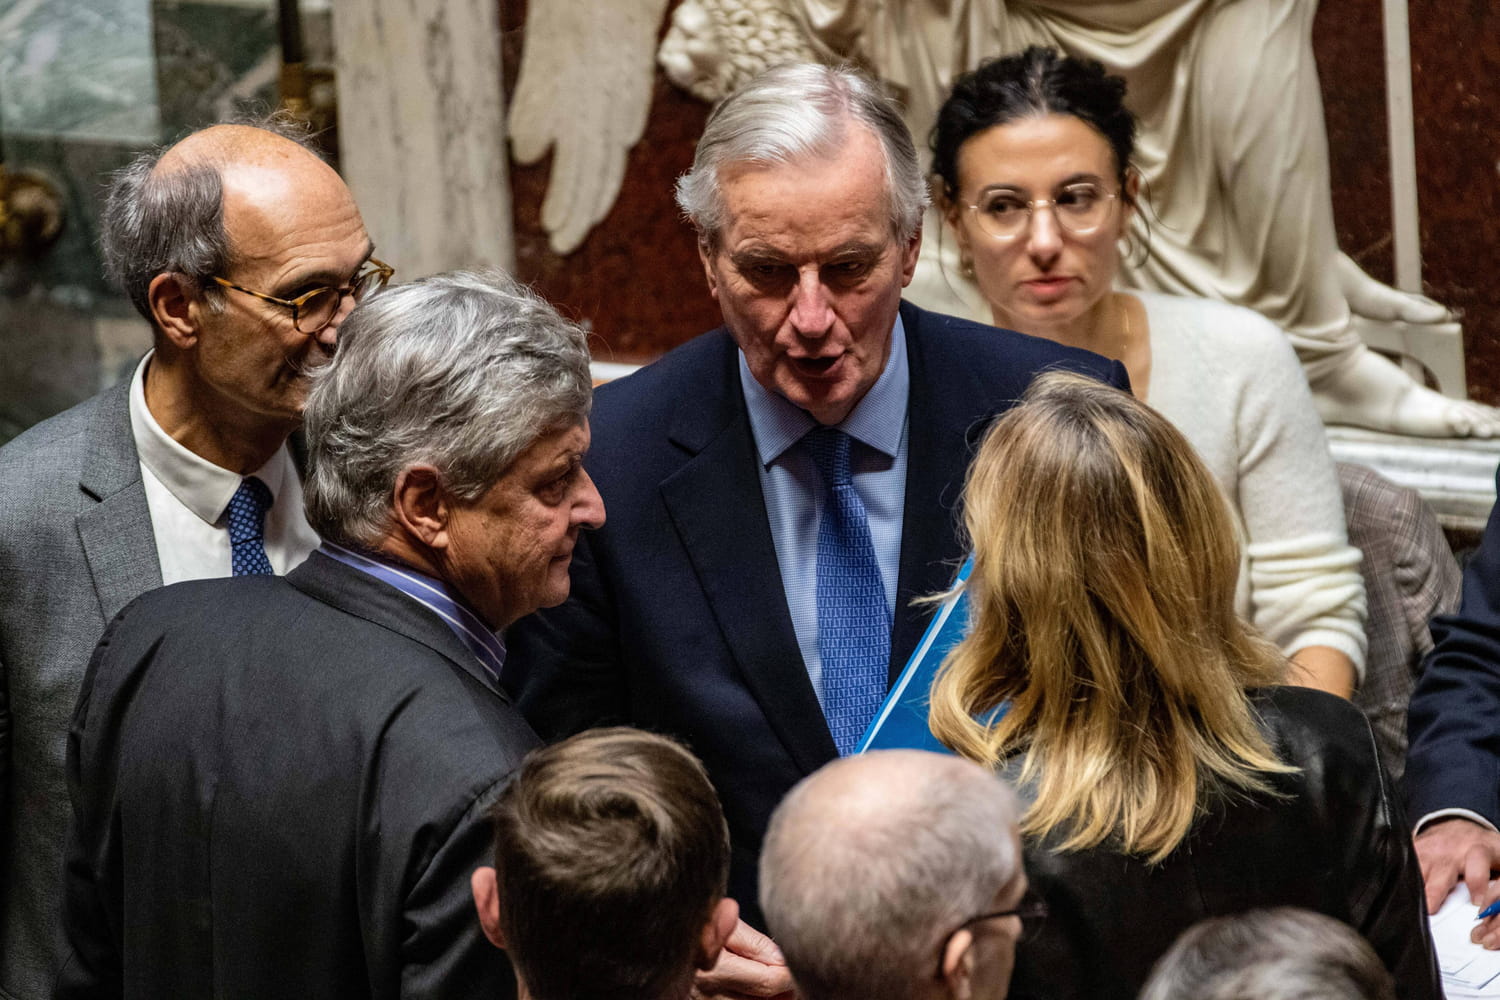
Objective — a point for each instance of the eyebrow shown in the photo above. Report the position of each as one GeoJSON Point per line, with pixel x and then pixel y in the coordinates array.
{"type": "Point", "coordinates": [854, 249]}
{"type": "Point", "coordinates": [1078, 178]}
{"type": "Point", "coordinates": [328, 279]}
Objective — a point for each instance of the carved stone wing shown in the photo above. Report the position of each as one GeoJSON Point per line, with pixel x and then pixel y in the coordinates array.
{"type": "Point", "coordinates": [584, 89]}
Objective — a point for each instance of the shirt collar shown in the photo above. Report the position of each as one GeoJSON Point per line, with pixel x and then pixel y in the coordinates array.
{"type": "Point", "coordinates": [198, 484]}
{"type": "Point", "coordinates": [433, 594]}
{"type": "Point", "coordinates": [877, 419]}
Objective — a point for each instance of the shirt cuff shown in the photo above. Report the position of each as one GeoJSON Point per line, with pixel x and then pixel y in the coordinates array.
{"type": "Point", "coordinates": [1467, 814]}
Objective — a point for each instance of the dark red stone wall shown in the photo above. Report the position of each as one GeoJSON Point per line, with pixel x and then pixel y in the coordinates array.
{"type": "Point", "coordinates": [1455, 93]}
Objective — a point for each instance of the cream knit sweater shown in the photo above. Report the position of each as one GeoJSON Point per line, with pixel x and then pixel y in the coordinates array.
{"type": "Point", "coordinates": [1228, 379]}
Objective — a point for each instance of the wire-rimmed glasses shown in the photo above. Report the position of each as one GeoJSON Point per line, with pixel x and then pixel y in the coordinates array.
{"type": "Point", "coordinates": [1079, 209]}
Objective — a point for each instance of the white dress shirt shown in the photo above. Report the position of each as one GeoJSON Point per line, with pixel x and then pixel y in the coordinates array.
{"type": "Point", "coordinates": [187, 495]}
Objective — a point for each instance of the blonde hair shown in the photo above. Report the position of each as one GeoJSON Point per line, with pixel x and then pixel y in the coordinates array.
{"type": "Point", "coordinates": [1102, 611]}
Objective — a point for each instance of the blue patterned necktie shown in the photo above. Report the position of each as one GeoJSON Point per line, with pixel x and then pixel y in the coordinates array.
{"type": "Point", "coordinates": [247, 528]}
{"type": "Point", "coordinates": [854, 621]}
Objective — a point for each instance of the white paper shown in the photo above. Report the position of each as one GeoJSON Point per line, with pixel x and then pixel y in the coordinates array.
{"type": "Point", "coordinates": [1468, 970]}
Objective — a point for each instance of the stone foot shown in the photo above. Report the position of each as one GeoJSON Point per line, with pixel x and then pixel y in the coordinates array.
{"type": "Point", "coordinates": [1375, 393]}
{"type": "Point", "coordinates": [1374, 300]}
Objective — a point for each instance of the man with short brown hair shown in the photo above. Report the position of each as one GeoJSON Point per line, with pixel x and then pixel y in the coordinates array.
{"type": "Point", "coordinates": [611, 860]}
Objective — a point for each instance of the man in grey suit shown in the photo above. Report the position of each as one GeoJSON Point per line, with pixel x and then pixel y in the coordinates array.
{"type": "Point", "coordinates": [244, 251]}
{"type": "Point", "coordinates": [279, 784]}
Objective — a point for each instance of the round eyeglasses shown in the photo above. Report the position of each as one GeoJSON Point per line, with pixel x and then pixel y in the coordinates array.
{"type": "Point", "coordinates": [314, 310]}
{"type": "Point", "coordinates": [1078, 208]}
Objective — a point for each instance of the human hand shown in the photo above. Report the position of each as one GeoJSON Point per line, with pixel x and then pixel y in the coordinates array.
{"type": "Point", "coordinates": [749, 966]}
{"type": "Point", "coordinates": [1486, 933]}
{"type": "Point", "coordinates": [1457, 849]}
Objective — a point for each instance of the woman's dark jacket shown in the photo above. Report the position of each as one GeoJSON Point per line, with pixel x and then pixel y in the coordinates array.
{"type": "Point", "coordinates": [1338, 844]}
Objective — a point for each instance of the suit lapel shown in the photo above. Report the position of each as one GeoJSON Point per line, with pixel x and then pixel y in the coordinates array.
{"type": "Point", "coordinates": [114, 526]}
{"type": "Point", "coordinates": [716, 505]}
{"type": "Point", "coordinates": [938, 448]}
{"type": "Point", "coordinates": [377, 602]}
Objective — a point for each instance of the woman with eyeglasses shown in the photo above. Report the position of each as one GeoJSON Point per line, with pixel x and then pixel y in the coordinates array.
{"type": "Point", "coordinates": [1164, 774]}
{"type": "Point", "coordinates": [1032, 154]}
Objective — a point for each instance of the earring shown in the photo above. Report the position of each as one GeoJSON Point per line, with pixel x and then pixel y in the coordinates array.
{"type": "Point", "coordinates": [966, 266]}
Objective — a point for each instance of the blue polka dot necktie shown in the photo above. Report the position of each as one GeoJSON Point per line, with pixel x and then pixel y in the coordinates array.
{"type": "Point", "coordinates": [247, 528]}
{"type": "Point", "coordinates": [854, 620]}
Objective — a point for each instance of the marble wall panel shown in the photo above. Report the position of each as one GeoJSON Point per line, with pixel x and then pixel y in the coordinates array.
{"type": "Point", "coordinates": [78, 69]}
{"type": "Point", "coordinates": [64, 331]}
{"type": "Point", "coordinates": [421, 130]}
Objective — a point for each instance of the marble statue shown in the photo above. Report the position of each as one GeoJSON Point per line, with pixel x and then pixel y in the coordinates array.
{"type": "Point", "coordinates": [583, 91]}
{"type": "Point", "coordinates": [1232, 151]}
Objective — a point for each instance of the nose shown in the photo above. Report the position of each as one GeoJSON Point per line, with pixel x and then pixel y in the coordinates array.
{"type": "Point", "coordinates": [1044, 236]}
{"type": "Point", "coordinates": [812, 313]}
{"type": "Point", "coordinates": [588, 507]}
{"type": "Point", "coordinates": [329, 335]}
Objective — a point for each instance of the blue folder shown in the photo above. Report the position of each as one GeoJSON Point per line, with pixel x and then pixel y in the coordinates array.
{"type": "Point", "coordinates": [901, 722]}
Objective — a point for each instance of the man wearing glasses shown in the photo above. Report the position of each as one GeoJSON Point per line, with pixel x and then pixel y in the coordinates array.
{"type": "Point", "coordinates": [244, 251]}
{"type": "Point", "coordinates": [897, 874]}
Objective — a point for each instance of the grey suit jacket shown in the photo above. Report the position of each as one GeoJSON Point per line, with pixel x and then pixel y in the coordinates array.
{"type": "Point", "coordinates": [75, 547]}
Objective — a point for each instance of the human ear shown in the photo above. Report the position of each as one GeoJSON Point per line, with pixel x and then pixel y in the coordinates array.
{"type": "Point", "coordinates": [721, 923]}
{"type": "Point", "coordinates": [909, 255]}
{"type": "Point", "coordinates": [171, 302]}
{"type": "Point", "coordinates": [958, 965]}
{"type": "Point", "coordinates": [706, 255]}
{"type": "Point", "coordinates": [486, 890]}
{"type": "Point", "coordinates": [421, 507]}
{"type": "Point", "coordinates": [1132, 194]}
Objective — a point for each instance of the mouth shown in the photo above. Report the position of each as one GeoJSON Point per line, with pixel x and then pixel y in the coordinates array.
{"type": "Point", "coordinates": [816, 368]}
{"type": "Point", "coordinates": [1048, 287]}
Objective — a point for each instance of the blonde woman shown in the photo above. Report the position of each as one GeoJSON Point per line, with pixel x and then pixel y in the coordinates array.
{"type": "Point", "coordinates": [1167, 777]}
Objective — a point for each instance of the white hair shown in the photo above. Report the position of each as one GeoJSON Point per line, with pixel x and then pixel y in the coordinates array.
{"type": "Point", "coordinates": [793, 113]}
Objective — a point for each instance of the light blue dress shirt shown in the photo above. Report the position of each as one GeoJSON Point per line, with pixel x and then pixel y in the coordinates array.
{"type": "Point", "coordinates": [794, 492]}
{"type": "Point", "coordinates": [434, 595]}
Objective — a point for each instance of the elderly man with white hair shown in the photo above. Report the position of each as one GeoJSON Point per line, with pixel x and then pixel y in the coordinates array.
{"type": "Point", "coordinates": [897, 875]}
{"type": "Point", "coordinates": [280, 784]}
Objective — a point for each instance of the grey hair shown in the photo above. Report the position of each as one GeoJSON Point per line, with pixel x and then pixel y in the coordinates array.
{"type": "Point", "coordinates": [860, 899]}
{"type": "Point", "coordinates": [460, 371]}
{"type": "Point", "coordinates": [793, 113]}
{"type": "Point", "coordinates": [1276, 954]}
{"type": "Point", "coordinates": [173, 221]}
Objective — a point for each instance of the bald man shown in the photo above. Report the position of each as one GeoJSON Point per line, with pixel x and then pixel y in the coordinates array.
{"type": "Point", "coordinates": [244, 251]}
{"type": "Point", "coordinates": [896, 874]}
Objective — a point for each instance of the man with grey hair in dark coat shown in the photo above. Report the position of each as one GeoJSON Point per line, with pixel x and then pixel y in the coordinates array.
{"type": "Point", "coordinates": [280, 784]}
{"type": "Point", "coordinates": [244, 251]}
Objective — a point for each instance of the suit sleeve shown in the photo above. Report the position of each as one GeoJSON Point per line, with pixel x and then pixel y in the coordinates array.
{"type": "Point", "coordinates": [1454, 720]}
{"type": "Point", "coordinates": [5, 753]}
{"type": "Point", "coordinates": [443, 952]}
{"type": "Point", "coordinates": [564, 665]}
{"type": "Point", "coordinates": [89, 963]}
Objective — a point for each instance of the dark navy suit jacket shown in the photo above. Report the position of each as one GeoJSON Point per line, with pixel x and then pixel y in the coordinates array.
{"type": "Point", "coordinates": [1453, 760]}
{"type": "Point", "coordinates": [678, 621]}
